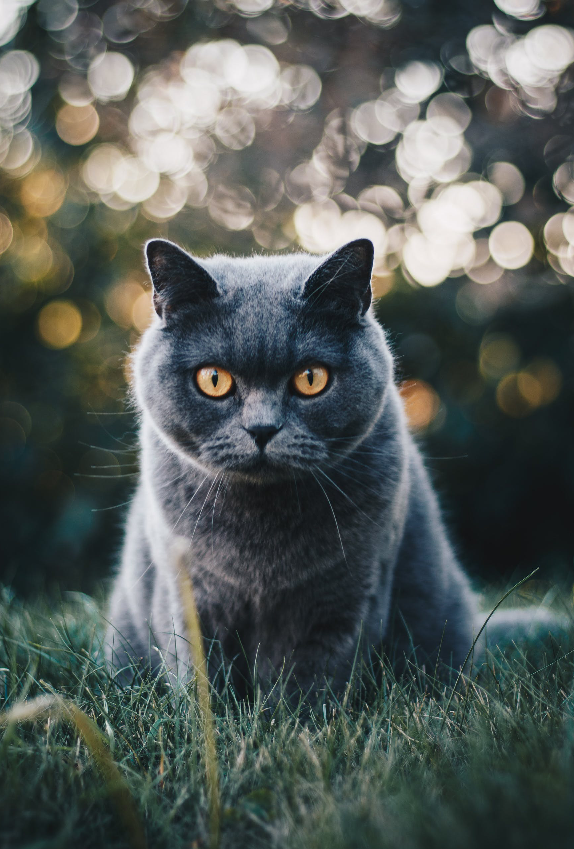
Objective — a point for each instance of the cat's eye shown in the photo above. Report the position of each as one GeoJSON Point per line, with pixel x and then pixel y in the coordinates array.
{"type": "Point", "coordinates": [214, 381]}
{"type": "Point", "coordinates": [310, 380]}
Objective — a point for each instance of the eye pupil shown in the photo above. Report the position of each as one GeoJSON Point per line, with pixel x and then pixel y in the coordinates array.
{"type": "Point", "coordinates": [311, 380]}
{"type": "Point", "coordinates": [214, 382]}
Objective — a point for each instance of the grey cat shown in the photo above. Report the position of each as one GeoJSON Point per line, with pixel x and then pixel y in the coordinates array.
{"type": "Point", "coordinates": [274, 442]}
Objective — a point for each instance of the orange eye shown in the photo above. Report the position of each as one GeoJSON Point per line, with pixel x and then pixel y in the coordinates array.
{"type": "Point", "coordinates": [214, 381]}
{"type": "Point", "coordinates": [310, 380]}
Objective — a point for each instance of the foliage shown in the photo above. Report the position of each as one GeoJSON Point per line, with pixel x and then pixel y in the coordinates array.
{"type": "Point", "coordinates": [394, 764]}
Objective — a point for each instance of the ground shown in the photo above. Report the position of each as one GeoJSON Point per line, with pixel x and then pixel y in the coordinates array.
{"type": "Point", "coordinates": [409, 764]}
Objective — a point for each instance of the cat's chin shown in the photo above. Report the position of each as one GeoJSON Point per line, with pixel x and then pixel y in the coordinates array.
{"type": "Point", "coordinates": [261, 469]}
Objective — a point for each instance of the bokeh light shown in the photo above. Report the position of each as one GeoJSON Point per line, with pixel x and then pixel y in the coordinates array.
{"type": "Point", "coordinates": [110, 76]}
{"type": "Point", "coordinates": [499, 354]}
{"type": "Point", "coordinates": [43, 192]}
{"type": "Point", "coordinates": [422, 404]}
{"type": "Point", "coordinates": [511, 244]}
{"type": "Point", "coordinates": [32, 259]}
{"type": "Point", "coordinates": [59, 324]}
{"type": "Point", "coordinates": [6, 232]}
{"type": "Point", "coordinates": [259, 125]}
{"type": "Point", "coordinates": [418, 80]}
{"type": "Point", "coordinates": [508, 180]}
{"type": "Point", "coordinates": [77, 124]}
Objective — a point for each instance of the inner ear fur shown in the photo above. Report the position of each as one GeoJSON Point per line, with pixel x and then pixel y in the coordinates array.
{"type": "Point", "coordinates": [177, 278]}
{"type": "Point", "coordinates": [343, 281]}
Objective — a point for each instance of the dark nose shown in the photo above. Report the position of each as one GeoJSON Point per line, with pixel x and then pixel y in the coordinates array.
{"type": "Point", "coordinates": [262, 434]}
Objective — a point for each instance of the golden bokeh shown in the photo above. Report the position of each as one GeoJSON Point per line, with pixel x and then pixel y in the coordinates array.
{"type": "Point", "coordinates": [121, 300]}
{"type": "Point", "coordinates": [77, 124]}
{"type": "Point", "coordinates": [382, 283]}
{"type": "Point", "coordinates": [6, 232]}
{"type": "Point", "coordinates": [499, 354]}
{"type": "Point", "coordinates": [91, 321]}
{"type": "Point", "coordinates": [43, 192]}
{"type": "Point", "coordinates": [549, 378]}
{"type": "Point", "coordinates": [520, 393]}
{"type": "Point", "coordinates": [61, 272]}
{"type": "Point", "coordinates": [32, 259]}
{"type": "Point", "coordinates": [142, 312]}
{"type": "Point", "coordinates": [59, 324]}
{"type": "Point", "coordinates": [421, 403]}
{"type": "Point", "coordinates": [511, 398]}
{"type": "Point", "coordinates": [530, 388]}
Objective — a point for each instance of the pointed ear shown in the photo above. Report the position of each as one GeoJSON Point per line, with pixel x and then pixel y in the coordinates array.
{"type": "Point", "coordinates": [177, 278]}
{"type": "Point", "coordinates": [343, 281]}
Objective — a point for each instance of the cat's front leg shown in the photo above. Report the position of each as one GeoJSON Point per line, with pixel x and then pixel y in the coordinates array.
{"type": "Point", "coordinates": [323, 661]}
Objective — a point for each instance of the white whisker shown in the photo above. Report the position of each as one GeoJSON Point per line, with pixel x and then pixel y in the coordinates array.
{"type": "Point", "coordinates": [335, 519]}
{"type": "Point", "coordinates": [356, 506]}
{"type": "Point", "coordinates": [213, 510]}
{"type": "Point", "coordinates": [189, 502]}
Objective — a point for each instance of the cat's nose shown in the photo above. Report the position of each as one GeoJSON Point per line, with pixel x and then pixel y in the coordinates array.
{"type": "Point", "coordinates": [262, 434]}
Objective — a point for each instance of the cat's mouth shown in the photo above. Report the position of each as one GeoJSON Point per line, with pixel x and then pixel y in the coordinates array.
{"type": "Point", "coordinates": [263, 466]}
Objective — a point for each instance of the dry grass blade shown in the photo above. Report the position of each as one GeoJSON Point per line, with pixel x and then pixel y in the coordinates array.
{"type": "Point", "coordinates": [203, 691]}
{"type": "Point", "coordinates": [27, 711]}
{"type": "Point", "coordinates": [476, 639]}
{"type": "Point", "coordinates": [116, 784]}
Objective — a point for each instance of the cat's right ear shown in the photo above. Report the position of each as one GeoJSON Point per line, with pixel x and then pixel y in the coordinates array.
{"type": "Point", "coordinates": [177, 279]}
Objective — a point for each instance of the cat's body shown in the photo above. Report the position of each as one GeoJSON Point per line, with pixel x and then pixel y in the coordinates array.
{"type": "Point", "coordinates": [309, 520]}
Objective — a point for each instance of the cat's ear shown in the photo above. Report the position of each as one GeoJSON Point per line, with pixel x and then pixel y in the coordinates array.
{"type": "Point", "coordinates": [177, 278]}
{"type": "Point", "coordinates": [343, 281]}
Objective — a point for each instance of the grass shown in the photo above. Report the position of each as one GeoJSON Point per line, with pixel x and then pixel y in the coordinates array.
{"type": "Point", "coordinates": [404, 764]}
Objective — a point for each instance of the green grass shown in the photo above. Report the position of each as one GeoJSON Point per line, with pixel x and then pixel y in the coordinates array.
{"type": "Point", "coordinates": [389, 767]}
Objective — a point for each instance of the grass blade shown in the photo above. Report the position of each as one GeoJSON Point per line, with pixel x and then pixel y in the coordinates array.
{"type": "Point", "coordinates": [95, 741]}
{"type": "Point", "coordinates": [195, 638]}
{"type": "Point", "coordinates": [476, 639]}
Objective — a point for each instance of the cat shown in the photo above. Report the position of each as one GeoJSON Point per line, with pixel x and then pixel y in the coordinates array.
{"type": "Point", "coordinates": [275, 443]}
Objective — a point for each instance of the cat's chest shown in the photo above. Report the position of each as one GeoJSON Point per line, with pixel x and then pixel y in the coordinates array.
{"type": "Point", "coordinates": [268, 540]}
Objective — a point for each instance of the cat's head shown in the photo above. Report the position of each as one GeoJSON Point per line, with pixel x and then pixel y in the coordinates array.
{"type": "Point", "coordinates": [264, 365]}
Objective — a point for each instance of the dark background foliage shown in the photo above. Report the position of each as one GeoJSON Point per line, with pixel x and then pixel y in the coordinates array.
{"type": "Point", "coordinates": [487, 366]}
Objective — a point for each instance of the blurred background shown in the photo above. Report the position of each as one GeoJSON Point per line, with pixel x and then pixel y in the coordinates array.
{"type": "Point", "coordinates": [441, 129]}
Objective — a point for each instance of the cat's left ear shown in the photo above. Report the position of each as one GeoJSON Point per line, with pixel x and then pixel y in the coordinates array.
{"type": "Point", "coordinates": [343, 281]}
{"type": "Point", "coordinates": [177, 279]}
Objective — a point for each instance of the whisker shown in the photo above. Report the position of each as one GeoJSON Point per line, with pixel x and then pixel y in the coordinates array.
{"type": "Point", "coordinates": [110, 450]}
{"type": "Point", "coordinates": [119, 413]}
{"type": "Point", "coordinates": [201, 511]}
{"type": "Point", "coordinates": [150, 564]}
{"type": "Point", "coordinates": [358, 480]}
{"type": "Point", "coordinates": [106, 477]}
{"type": "Point", "coordinates": [114, 507]}
{"type": "Point", "coordinates": [189, 502]}
{"type": "Point", "coordinates": [112, 466]}
{"type": "Point", "coordinates": [297, 491]}
{"type": "Point", "coordinates": [374, 451]}
{"type": "Point", "coordinates": [213, 511]}
{"type": "Point", "coordinates": [456, 457]}
{"type": "Point", "coordinates": [115, 438]}
{"type": "Point", "coordinates": [225, 488]}
{"type": "Point", "coordinates": [173, 480]}
{"type": "Point", "coordinates": [356, 506]}
{"type": "Point", "coordinates": [335, 519]}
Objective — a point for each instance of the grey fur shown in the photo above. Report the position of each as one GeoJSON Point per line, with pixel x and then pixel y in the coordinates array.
{"type": "Point", "coordinates": [330, 531]}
